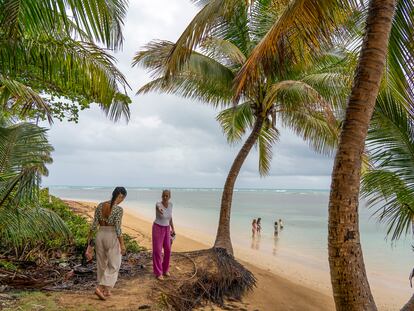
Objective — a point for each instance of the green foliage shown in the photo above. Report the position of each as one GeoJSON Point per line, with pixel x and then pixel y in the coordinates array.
{"type": "Point", "coordinates": [7, 265]}
{"type": "Point", "coordinates": [302, 96]}
{"type": "Point", "coordinates": [24, 153]}
{"type": "Point", "coordinates": [51, 66]}
{"type": "Point", "coordinates": [131, 245]}
{"type": "Point", "coordinates": [388, 184]}
{"type": "Point", "coordinates": [27, 228]}
{"type": "Point", "coordinates": [78, 225]}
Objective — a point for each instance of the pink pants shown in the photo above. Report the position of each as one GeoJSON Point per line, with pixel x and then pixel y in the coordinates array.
{"type": "Point", "coordinates": [161, 239]}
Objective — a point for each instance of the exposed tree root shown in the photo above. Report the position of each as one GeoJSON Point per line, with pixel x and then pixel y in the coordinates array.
{"type": "Point", "coordinates": [216, 276]}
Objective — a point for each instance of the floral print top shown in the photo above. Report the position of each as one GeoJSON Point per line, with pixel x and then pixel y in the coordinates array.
{"type": "Point", "coordinates": [114, 219]}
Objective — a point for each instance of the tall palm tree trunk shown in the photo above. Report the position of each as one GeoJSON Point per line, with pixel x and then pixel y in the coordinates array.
{"type": "Point", "coordinates": [348, 276]}
{"type": "Point", "coordinates": [223, 232]}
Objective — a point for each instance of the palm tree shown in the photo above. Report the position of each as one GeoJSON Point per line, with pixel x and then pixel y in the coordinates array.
{"type": "Point", "coordinates": [296, 96]}
{"type": "Point", "coordinates": [307, 23]}
{"type": "Point", "coordinates": [24, 153]}
{"type": "Point", "coordinates": [388, 185]}
{"type": "Point", "coordinates": [48, 57]}
{"type": "Point", "coordinates": [50, 66]}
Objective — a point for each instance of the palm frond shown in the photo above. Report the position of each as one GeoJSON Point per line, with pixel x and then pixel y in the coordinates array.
{"type": "Point", "coordinates": [201, 78]}
{"type": "Point", "coordinates": [267, 138]}
{"type": "Point", "coordinates": [211, 16]}
{"type": "Point", "coordinates": [224, 50]}
{"type": "Point", "coordinates": [30, 226]}
{"type": "Point", "coordinates": [24, 153]}
{"type": "Point", "coordinates": [292, 93]}
{"type": "Point", "coordinates": [100, 20]}
{"type": "Point", "coordinates": [235, 121]}
{"type": "Point", "coordinates": [389, 183]}
{"type": "Point", "coordinates": [393, 199]}
{"type": "Point", "coordinates": [21, 98]}
{"type": "Point", "coordinates": [313, 127]}
{"type": "Point", "coordinates": [61, 67]}
{"type": "Point", "coordinates": [301, 29]}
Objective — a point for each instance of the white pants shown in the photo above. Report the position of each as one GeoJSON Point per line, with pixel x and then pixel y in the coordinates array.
{"type": "Point", "coordinates": [108, 256]}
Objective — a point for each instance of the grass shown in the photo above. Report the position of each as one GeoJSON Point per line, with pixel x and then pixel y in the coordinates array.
{"type": "Point", "coordinates": [40, 301]}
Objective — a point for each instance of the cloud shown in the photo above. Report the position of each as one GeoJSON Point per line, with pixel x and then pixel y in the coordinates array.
{"type": "Point", "coordinates": [169, 141]}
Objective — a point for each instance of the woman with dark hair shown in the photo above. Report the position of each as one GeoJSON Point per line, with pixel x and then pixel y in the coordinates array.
{"type": "Point", "coordinates": [161, 236]}
{"type": "Point", "coordinates": [109, 244]}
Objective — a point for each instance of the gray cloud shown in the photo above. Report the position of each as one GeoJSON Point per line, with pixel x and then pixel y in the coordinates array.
{"type": "Point", "coordinates": [169, 141]}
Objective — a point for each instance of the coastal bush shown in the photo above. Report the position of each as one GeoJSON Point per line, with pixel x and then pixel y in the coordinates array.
{"type": "Point", "coordinates": [78, 225]}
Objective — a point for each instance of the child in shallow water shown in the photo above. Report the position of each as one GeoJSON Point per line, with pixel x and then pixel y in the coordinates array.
{"type": "Point", "coordinates": [276, 226]}
{"type": "Point", "coordinates": [254, 227]}
{"type": "Point", "coordinates": [259, 225]}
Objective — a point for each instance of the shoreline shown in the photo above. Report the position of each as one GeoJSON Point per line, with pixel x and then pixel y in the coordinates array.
{"type": "Point", "coordinates": [289, 270]}
{"type": "Point", "coordinates": [273, 292]}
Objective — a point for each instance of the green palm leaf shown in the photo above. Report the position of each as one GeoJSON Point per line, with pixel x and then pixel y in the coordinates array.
{"type": "Point", "coordinates": [235, 121]}
{"type": "Point", "coordinates": [24, 153]}
{"type": "Point", "coordinates": [24, 227]}
{"type": "Point", "coordinates": [99, 20]}
{"type": "Point", "coordinates": [267, 139]}
{"type": "Point", "coordinates": [389, 183]}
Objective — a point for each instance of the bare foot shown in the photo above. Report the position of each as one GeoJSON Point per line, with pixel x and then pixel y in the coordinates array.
{"type": "Point", "coordinates": [160, 278]}
{"type": "Point", "coordinates": [167, 274]}
{"type": "Point", "coordinates": [107, 293]}
{"type": "Point", "coordinates": [99, 293]}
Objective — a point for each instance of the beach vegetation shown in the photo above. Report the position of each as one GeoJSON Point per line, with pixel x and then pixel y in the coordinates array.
{"type": "Point", "coordinates": [51, 64]}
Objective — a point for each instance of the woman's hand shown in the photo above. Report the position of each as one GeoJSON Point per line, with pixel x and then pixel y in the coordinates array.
{"type": "Point", "coordinates": [160, 210]}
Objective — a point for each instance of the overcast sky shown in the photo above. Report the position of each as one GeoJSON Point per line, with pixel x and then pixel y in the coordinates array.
{"type": "Point", "coordinates": [169, 141]}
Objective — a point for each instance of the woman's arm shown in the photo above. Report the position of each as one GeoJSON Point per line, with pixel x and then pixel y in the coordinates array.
{"type": "Point", "coordinates": [118, 230]}
{"type": "Point", "coordinates": [172, 226]}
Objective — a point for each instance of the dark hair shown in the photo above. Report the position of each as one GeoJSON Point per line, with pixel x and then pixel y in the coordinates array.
{"type": "Point", "coordinates": [117, 191]}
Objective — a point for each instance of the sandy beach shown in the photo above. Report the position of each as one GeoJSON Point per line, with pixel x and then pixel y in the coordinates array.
{"type": "Point", "coordinates": [273, 292]}
{"type": "Point", "coordinates": [285, 282]}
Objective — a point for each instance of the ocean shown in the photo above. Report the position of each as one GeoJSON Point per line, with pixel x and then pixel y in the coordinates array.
{"type": "Point", "coordinates": [304, 214]}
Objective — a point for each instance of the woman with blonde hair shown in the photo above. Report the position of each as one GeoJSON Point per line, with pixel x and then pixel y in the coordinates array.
{"type": "Point", "coordinates": [162, 230]}
{"type": "Point", "coordinates": [109, 244]}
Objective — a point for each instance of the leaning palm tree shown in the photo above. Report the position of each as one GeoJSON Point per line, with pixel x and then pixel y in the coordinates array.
{"type": "Point", "coordinates": [49, 57]}
{"type": "Point", "coordinates": [297, 95]}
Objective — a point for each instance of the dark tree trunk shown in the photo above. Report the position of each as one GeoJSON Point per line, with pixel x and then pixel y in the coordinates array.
{"type": "Point", "coordinates": [350, 285]}
{"type": "Point", "coordinates": [223, 232]}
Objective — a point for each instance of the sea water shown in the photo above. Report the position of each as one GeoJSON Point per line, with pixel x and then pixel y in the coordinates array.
{"type": "Point", "coordinates": [304, 214]}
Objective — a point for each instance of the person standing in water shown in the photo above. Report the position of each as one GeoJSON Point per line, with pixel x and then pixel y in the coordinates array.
{"type": "Point", "coordinates": [276, 228]}
{"type": "Point", "coordinates": [259, 226]}
{"type": "Point", "coordinates": [162, 229]}
{"type": "Point", "coordinates": [254, 228]}
{"type": "Point", "coordinates": [280, 224]}
{"type": "Point", "coordinates": [109, 244]}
